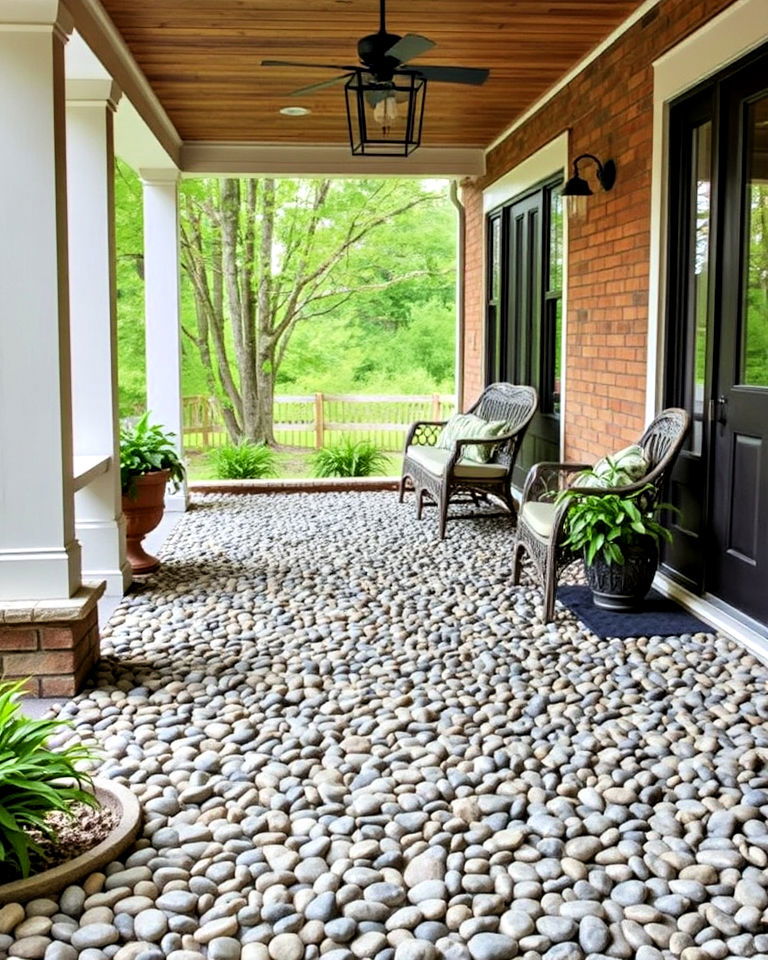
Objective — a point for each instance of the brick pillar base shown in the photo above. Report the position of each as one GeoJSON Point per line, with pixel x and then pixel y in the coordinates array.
{"type": "Point", "coordinates": [53, 645]}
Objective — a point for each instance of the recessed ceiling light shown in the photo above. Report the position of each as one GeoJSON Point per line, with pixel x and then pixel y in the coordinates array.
{"type": "Point", "coordinates": [295, 111]}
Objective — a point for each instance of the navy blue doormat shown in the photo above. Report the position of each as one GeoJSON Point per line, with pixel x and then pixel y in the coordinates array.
{"type": "Point", "coordinates": [658, 617]}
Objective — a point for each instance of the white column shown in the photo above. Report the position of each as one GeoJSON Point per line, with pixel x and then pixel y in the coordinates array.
{"type": "Point", "coordinates": [99, 521]}
{"type": "Point", "coordinates": [39, 556]}
{"type": "Point", "coordinates": [162, 308]}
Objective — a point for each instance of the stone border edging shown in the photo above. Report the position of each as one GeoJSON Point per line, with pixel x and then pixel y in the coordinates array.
{"type": "Point", "coordinates": [299, 485]}
{"type": "Point", "coordinates": [118, 839]}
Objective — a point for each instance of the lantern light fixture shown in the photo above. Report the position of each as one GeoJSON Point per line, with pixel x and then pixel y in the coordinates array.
{"type": "Point", "coordinates": [385, 118]}
{"type": "Point", "coordinates": [577, 189]}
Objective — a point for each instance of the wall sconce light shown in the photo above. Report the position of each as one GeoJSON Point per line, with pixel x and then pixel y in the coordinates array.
{"type": "Point", "coordinates": [577, 189]}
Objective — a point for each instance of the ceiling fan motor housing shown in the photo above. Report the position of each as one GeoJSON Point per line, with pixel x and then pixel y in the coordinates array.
{"type": "Point", "coordinates": [372, 51]}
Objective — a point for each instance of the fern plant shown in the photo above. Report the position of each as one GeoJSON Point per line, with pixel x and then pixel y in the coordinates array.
{"type": "Point", "coordinates": [244, 461]}
{"type": "Point", "coordinates": [34, 780]}
{"type": "Point", "coordinates": [146, 448]}
{"type": "Point", "coordinates": [349, 459]}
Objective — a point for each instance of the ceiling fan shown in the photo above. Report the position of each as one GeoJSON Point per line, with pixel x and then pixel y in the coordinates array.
{"type": "Point", "coordinates": [382, 56]}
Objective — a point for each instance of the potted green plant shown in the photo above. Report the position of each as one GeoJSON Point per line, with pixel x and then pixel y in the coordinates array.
{"type": "Point", "coordinates": [57, 823]}
{"type": "Point", "coordinates": [34, 781]}
{"type": "Point", "coordinates": [148, 462]}
{"type": "Point", "coordinates": [618, 535]}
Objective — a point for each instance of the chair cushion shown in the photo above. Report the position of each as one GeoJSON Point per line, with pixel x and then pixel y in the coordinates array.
{"type": "Point", "coordinates": [466, 426]}
{"type": "Point", "coordinates": [540, 517]}
{"type": "Point", "coordinates": [434, 460]}
{"type": "Point", "coordinates": [626, 466]}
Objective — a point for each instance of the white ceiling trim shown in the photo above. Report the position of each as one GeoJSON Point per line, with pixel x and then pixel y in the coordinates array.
{"type": "Point", "coordinates": [102, 36]}
{"type": "Point", "coordinates": [575, 71]}
{"type": "Point", "coordinates": [201, 158]}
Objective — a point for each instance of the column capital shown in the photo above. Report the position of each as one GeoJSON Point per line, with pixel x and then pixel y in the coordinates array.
{"type": "Point", "coordinates": [93, 92]}
{"type": "Point", "coordinates": [164, 176]}
{"type": "Point", "coordinates": [36, 15]}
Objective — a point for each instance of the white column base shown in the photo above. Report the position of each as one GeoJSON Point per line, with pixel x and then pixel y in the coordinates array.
{"type": "Point", "coordinates": [51, 571]}
{"type": "Point", "coordinates": [103, 554]}
{"type": "Point", "coordinates": [177, 502]}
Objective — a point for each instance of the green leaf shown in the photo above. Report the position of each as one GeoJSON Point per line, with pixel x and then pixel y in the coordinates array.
{"type": "Point", "coordinates": [34, 780]}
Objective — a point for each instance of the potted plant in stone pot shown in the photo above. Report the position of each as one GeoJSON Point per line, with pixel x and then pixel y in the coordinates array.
{"type": "Point", "coordinates": [57, 824]}
{"type": "Point", "coordinates": [618, 536]}
{"type": "Point", "coordinates": [148, 461]}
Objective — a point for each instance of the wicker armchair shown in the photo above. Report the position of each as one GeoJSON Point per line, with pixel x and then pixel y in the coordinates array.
{"type": "Point", "coordinates": [440, 474]}
{"type": "Point", "coordinates": [541, 522]}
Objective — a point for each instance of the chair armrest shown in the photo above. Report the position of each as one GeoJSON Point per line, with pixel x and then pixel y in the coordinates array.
{"type": "Point", "coordinates": [546, 480]}
{"type": "Point", "coordinates": [424, 433]}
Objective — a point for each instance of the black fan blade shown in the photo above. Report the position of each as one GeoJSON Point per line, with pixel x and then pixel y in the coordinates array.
{"type": "Point", "coordinates": [312, 66]}
{"type": "Point", "coordinates": [320, 86]}
{"type": "Point", "coordinates": [473, 75]}
{"type": "Point", "coordinates": [409, 47]}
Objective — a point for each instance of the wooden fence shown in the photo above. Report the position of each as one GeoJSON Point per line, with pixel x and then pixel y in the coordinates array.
{"type": "Point", "coordinates": [320, 419]}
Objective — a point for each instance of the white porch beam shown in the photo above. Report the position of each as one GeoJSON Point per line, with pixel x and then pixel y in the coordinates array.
{"type": "Point", "coordinates": [99, 521]}
{"type": "Point", "coordinates": [162, 306]}
{"type": "Point", "coordinates": [39, 556]}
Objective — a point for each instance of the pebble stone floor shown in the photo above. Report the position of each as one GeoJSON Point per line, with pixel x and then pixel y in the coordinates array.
{"type": "Point", "coordinates": [354, 741]}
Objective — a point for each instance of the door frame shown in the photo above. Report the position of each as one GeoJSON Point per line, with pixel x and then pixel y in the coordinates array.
{"type": "Point", "coordinates": [546, 163]}
{"type": "Point", "coordinates": [721, 42]}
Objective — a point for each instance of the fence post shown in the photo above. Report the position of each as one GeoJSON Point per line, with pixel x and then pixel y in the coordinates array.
{"type": "Point", "coordinates": [206, 418]}
{"type": "Point", "coordinates": [436, 412]}
{"type": "Point", "coordinates": [319, 422]}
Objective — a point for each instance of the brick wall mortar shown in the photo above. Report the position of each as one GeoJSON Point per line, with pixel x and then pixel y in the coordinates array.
{"type": "Point", "coordinates": [55, 658]}
{"type": "Point", "coordinates": [608, 108]}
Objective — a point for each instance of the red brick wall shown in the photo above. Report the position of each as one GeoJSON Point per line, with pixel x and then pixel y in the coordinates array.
{"type": "Point", "coordinates": [608, 108]}
{"type": "Point", "coordinates": [54, 658]}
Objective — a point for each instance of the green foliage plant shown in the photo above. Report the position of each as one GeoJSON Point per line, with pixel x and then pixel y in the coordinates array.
{"type": "Point", "coordinates": [605, 525]}
{"type": "Point", "coordinates": [349, 458]}
{"type": "Point", "coordinates": [34, 780]}
{"type": "Point", "coordinates": [146, 448]}
{"type": "Point", "coordinates": [243, 461]}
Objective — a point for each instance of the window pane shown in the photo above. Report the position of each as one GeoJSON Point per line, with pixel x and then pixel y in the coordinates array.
{"type": "Point", "coordinates": [558, 353]}
{"type": "Point", "coordinates": [555, 278]}
{"type": "Point", "coordinates": [702, 167]}
{"type": "Point", "coordinates": [495, 258]}
{"type": "Point", "coordinates": [754, 367]}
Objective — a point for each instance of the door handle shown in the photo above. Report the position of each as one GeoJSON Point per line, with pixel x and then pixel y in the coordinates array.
{"type": "Point", "coordinates": [721, 409]}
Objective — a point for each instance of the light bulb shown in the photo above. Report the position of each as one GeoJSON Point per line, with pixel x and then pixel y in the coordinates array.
{"type": "Point", "coordinates": [386, 111]}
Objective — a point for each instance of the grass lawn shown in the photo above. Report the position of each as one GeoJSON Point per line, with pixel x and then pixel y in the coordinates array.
{"type": "Point", "coordinates": [290, 464]}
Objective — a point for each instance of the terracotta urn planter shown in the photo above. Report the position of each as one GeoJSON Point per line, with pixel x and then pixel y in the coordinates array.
{"type": "Point", "coordinates": [143, 511]}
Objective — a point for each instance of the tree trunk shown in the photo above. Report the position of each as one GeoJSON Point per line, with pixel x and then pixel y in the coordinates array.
{"type": "Point", "coordinates": [263, 426]}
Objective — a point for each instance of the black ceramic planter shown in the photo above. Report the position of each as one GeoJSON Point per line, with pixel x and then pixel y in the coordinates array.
{"type": "Point", "coordinates": [623, 586]}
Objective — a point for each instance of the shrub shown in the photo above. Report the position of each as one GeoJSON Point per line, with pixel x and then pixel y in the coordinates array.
{"type": "Point", "coordinates": [349, 459]}
{"type": "Point", "coordinates": [34, 781]}
{"type": "Point", "coordinates": [144, 449]}
{"type": "Point", "coordinates": [244, 461]}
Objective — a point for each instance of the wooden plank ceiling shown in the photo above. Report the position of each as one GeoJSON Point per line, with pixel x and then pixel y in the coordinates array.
{"type": "Point", "coordinates": [202, 58]}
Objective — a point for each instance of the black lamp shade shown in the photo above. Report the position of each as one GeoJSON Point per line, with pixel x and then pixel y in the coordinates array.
{"type": "Point", "coordinates": [385, 119]}
{"type": "Point", "coordinates": [577, 187]}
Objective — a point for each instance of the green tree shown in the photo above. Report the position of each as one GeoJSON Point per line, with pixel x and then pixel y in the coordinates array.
{"type": "Point", "coordinates": [264, 256]}
{"type": "Point", "coordinates": [129, 245]}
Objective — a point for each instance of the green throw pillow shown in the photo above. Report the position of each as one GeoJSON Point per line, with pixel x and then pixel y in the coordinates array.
{"type": "Point", "coordinates": [624, 467]}
{"type": "Point", "coordinates": [466, 426]}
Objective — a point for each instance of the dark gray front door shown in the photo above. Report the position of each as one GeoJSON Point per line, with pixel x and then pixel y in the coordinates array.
{"type": "Point", "coordinates": [524, 310]}
{"type": "Point", "coordinates": [740, 441]}
{"type": "Point", "coordinates": [717, 347]}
